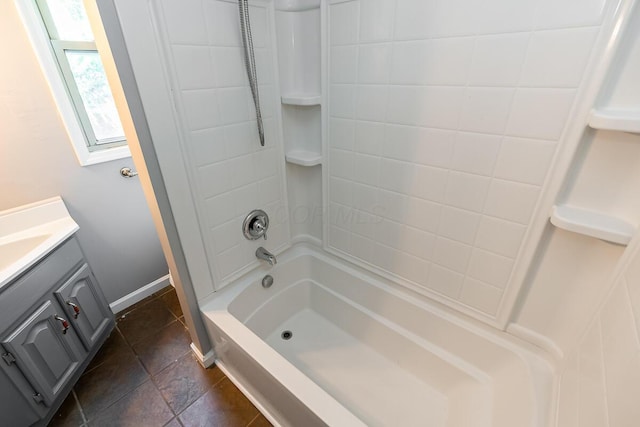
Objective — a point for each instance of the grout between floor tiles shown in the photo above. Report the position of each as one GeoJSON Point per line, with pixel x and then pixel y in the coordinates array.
{"type": "Point", "coordinates": [130, 345]}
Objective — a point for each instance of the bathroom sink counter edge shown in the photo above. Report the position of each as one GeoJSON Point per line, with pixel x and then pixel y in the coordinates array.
{"type": "Point", "coordinates": [28, 233]}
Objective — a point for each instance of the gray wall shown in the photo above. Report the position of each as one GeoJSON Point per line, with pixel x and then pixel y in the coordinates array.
{"type": "Point", "coordinates": [37, 162]}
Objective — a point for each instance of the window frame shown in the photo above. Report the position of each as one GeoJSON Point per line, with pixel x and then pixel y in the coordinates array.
{"type": "Point", "coordinates": [62, 85]}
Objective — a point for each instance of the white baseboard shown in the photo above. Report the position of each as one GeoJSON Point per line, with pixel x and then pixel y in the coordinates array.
{"type": "Point", "coordinates": [205, 360]}
{"type": "Point", "coordinates": [139, 294]}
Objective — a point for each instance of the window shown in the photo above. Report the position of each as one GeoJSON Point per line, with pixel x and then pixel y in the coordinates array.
{"type": "Point", "coordinates": [62, 37]}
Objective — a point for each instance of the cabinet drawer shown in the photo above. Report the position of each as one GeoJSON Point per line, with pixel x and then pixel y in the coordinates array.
{"type": "Point", "coordinates": [85, 306]}
{"type": "Point", "coordinates": [19, 297]}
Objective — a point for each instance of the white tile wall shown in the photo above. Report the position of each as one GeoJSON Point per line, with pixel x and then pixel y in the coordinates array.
{"type": "Point", "coordinates": [444, 118]}
{"type": "Point", "coordinates": [232, 174]}
{"type": "Point", "coordinates": [600, 384]}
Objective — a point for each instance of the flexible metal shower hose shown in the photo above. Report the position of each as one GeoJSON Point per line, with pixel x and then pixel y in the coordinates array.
{"type": "Point", "coordinates": [250, 62]}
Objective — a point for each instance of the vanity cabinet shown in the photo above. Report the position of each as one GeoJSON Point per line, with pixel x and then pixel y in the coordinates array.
{"type": "Point", "coordinates": [53, 319]}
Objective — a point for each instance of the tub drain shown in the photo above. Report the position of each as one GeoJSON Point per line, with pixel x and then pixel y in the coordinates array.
{"type": "Point", "coordinates": [286, 335]}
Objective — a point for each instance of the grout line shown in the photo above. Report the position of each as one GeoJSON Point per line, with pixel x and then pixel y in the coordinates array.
{"type": "Point", "coordinates": [253, 419]}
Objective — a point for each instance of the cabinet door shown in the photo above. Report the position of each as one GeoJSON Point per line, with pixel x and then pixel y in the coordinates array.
{"type": "Point", "coordinates": [46, 350]}
{"type": "Point", "coordinates": [85, 306]}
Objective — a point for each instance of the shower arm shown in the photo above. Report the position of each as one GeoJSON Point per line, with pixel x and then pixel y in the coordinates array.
{"type": "Point", "coordinates": [250, 62]}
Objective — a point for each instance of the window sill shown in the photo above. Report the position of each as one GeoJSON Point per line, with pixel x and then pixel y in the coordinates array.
{"type": "Point", "coordinates": [93, 158]}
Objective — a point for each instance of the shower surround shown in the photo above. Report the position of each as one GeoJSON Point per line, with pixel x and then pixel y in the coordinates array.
{"type": "Point", "coordinates": [413, 152]}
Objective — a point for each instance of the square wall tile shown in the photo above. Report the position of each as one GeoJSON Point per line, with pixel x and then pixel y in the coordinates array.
{"type": "Point", "coordinates": [459, 225]}
{"type": "Point", "coordinates": [235, 104]}
{"type": "Point", "coordinates": [444, 281]}
{"type": "Point", "coordinates": [467, 191]}
{"type": "Point", "coordinates": [422, 214]}
{"type": "Point", "coordinates": [449, 61]}
{"type": "Point", "coordinates": [396, 176]}
{"type": "Point", "coordinates": [475, 153]}
{"type": "Point", "coordinates": [480, 296]}
{"type": "Point", "coordinates": [397, 206]}
{"type": "Point", "coordinates": [343, 66]}
{"type": "Point", "coordinates": [456, 18]}
{"type": "Point", "coordinates": [524, 160]}
{"type": "Point", "coordinates": [369, 137]}
{"type": "Point", "coordinates": [372, 102]}
{"type": "Point", "coordinates": [342, 133]}
{"type": "Point", "coordinates": [185, 23]}
{"type": "Point", "coordinates": [374, 63]}
{"type": "Point", "coordinates": [569, 13]}
{"type": "Point", "coordinates": [362, 247]}
{"type": "Point", "coordinates": [366, 169]}
{"type": "Point", "coordinates": [341, 191]}
{"type": "Point", "coordinates": [225, 236]}
{"type": "Point", "coordinates": [207, 146]}
{"type": "Point", "coordinates": [435, 147]}
{"type": "Point", "coordinates": [558, 58]}
{"type": "Point", "coordinates": [223, 25]}
{"type": "Point", "coordinates": [498, 59]}
{"type": "Point", "coordinates": [506, 16]}
{"type": "Point", "coordinates": [486, 110]}
{"type": "Point", "coordinates": [376, 20]}
{"type": "Point", "coordinates": [214, 179]}
{"type": "Point", "coordinates": [240, 139]}
{"type": "Point", "coordinates": [428, 183]}
{"type": "Point", "coordinates": [343, 23]}
{"type": "Point", "coordinates": [341, 163]}
{"type": "Point", "coordinates": [415, 19]}
{"type": "Point", "coordinates": [490, 268]}
{"type": "Point", "coordinates": [500, 236]}
{"type": "Point", "coordinates": [194, 67]}
{"type": "Point", "coordinates": [201, 108]}
{"type": "Point", "coordinates": [540, 113]}
{"type": "Point", "coordinates": [418, 243]}
{"type": "Point", "coordinates": [511, 200]}
{"type": "Point", "coordinates": [229, 65]}
{"type": "Point", "coordinates": [342, 101]}
{"type": "Point", "coordinates": [452, 255]}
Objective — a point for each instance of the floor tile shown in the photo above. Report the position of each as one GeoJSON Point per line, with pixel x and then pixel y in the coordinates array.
{"type": "Point", "coordinates": [223, 405]}
{"type": "Point", "coordinates": [144, 321]}
{"type": "Point", "coordinates": [163, 347]}
{"type": "Point", "coordinates": [113, 346]}
{"type": "Point", "coordinates": [173, 423]}
{"type": "Point", "coordinates": [136, 305]}
{"type": "Point", "coordinates": [164, 290]}
{"type": "Point", "coordinates": [68, 415]}
{"type": "Point", "coordinates": [143, 406]}
{"type": "Point", "coordinates": [184, 381]}
{"type": "Point", "coordinates": [171, 300]}
{"type": "Point", "coordinates": [260, 421]}
{"type": "Point", "coordinates": [106, 384]}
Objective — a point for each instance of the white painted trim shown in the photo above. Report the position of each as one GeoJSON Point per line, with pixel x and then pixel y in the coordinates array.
{"type": "Point", "coordinates": [30, 16]}
{"type": "Point", "coordinates": [139, 294]}
{"type": "Point", "coordinates": [248, 394]}
{"type": "Point", "coordinates": [206, 360]}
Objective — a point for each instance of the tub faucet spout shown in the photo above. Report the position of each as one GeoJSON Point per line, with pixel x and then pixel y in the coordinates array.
{"type": "Point", "coordinates": [264, 254]}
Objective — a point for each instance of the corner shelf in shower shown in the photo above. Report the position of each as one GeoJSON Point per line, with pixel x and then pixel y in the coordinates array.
{"type": "Point", "coordinates": [593, 224]}
{"type": "Point", "coordinates": [618, 120]}
{"type": "Point", "coordinates": [303, 99]}
{"type": "Point", "coordinates": [303, 158]}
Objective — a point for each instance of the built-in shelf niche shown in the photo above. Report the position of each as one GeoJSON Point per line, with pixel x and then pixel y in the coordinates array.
{"type": "Point", "coordinates": [301, 99]}
{"type": "Point", "coordinates": [592, 224]}
{"type": "Point", "coordinates": [615, 119]}
{"type": "Point", "coordinates": [298, 36]}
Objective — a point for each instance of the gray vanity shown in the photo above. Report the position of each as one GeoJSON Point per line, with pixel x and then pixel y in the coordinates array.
{"type": "Point", "coordinates": [53, 320]}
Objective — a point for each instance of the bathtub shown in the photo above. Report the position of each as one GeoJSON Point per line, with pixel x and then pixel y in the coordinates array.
{"type": "Point", "coordinates": [330, 344]}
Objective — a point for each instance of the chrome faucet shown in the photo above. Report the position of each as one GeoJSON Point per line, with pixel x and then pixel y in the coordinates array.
{"type": "Point", "coordinates": [264, 254]}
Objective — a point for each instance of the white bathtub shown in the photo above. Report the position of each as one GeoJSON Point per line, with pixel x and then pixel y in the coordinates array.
{"type": "Point", "coordinates": [364, 353]}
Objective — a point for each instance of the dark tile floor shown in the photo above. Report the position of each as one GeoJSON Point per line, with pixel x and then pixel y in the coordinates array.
{"type": "Point", "coordinates": [145, 375]}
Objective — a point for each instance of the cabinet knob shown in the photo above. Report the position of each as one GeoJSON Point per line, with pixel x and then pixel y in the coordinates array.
{"type": "Point", "coordinates": [76, 309]}
{"type": "Point", "coordinates": [64, 322]}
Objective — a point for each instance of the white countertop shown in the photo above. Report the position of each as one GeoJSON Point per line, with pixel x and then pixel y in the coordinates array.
{"type": "Point", "coordinates": [29, 232]}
